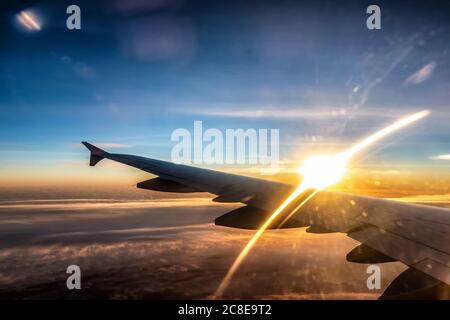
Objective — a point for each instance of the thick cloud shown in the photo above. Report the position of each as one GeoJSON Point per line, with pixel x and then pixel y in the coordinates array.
{"type": "Point", "coordinates": [166, 249]}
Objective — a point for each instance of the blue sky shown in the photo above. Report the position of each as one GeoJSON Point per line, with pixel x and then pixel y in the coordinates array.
{"type": "Point", "coordinates": [136, 71]}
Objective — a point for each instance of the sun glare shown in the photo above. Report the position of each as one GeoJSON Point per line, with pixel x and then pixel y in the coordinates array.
{"type": "Point", "coordinates": [318, 173]}
{"type": "Point", "coordinates": [323, 171]}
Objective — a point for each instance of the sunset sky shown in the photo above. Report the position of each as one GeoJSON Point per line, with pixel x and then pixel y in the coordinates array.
{"type": "Point", "coordinates": [135, 72]}
{"type": "Point", "coordinates": [139, 69]}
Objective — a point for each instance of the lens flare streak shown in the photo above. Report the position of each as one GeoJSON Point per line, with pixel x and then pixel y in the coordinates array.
{"type": "Point", "coordinates": [29, 21]}
{"type": "Point", "coordinates": [384, 132]}
{"type": "Point", "coordinates": [318, 173]}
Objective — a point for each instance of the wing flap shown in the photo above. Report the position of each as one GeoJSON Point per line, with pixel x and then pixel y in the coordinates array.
{"type": "Point", "coordinates": [414, 284]}
{"type": "Point", "coordinates": [435, 269]}
{"type": "Point", "coordinates": [411, 253]}
{"type": "Point", "coordinates": [405, 220]}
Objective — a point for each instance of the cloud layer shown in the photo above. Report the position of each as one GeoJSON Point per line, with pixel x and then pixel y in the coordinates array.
{"type": "Point", "coordinates": [161, 251]}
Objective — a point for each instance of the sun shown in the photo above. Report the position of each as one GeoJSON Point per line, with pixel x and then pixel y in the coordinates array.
{"type": "Point", "coordinates": [322, 171]}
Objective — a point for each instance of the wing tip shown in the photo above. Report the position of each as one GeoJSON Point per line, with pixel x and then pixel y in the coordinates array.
{"type": "Point", "coordinates": [97, 154]}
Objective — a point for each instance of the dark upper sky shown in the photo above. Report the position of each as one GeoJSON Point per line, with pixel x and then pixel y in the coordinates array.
{"type": "Point", "coordinates": [138, 69]}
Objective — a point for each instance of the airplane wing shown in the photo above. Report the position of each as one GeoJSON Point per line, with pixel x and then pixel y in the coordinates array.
{"type": "Point", "coordinates": [416, 235]}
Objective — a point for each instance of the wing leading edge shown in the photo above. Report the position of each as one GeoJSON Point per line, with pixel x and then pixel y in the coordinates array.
{"type": "Point", "coordinates": [259, 193]}
{"type": "Point", "coordinates": [416, 235]}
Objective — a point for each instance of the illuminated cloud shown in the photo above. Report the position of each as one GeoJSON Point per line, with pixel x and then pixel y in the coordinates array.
{"type": "Point", "coordinates": [441, 157]}
{"type": "Point", "coordinates": [421, 75]}
{"type": "Point", "coordinates": [28, 20]}
{"type": "Point", "coordinates": [292, 113]}
{"type": "Point", "coordinates": [297, 113]}
{"type": "Point", "coordinates": [112, 145]}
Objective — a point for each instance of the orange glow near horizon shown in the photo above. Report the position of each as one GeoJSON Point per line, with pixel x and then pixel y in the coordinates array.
{"type": "Point", "coordinates": [318, 173]}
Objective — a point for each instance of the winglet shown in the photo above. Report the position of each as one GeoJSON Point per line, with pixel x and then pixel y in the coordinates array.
{"type": "Point", "coordinates": [97, 154]}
